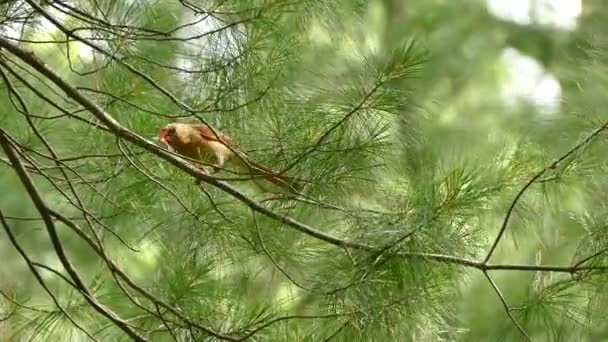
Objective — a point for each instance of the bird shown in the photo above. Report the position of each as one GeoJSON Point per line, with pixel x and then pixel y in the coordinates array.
{"type": "Point", "coordinates": [198, 141]}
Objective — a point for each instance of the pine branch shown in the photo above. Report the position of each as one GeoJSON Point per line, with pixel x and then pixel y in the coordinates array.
{"type": "Point", "coordinates": [132, 137]}
{"type": "Point", "coordinates": [506, 306]}
{"type": "Point", "coordinates": [57, 244]}
{"type": "Point", "coordinates": [584, 143]}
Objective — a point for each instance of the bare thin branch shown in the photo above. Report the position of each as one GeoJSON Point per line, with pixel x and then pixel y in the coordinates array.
{"type": "Point", "coordinates": [588, 140]}
{"type": "Point", "coordinates": [506, 306]}
{"type": "Point", "coordinates": [36, 275]}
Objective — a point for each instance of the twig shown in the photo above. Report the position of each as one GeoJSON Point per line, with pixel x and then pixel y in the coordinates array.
{"type": "Point", "coordinates": [36, 275]}
{"type": "Point", "coordinates": [538, 175]}
{"type": "Point", "coordinates": [506, 306]}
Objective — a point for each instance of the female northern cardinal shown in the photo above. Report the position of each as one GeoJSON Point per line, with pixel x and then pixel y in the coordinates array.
{"type": "Point", "coordinates": [197, 141]}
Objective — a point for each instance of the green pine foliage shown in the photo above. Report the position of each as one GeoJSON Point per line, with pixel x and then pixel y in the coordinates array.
{"type": "Point", "coordinates": [428, 209]}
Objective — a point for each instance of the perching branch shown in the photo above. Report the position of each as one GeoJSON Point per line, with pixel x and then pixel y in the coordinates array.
{"type": "Point", "coordinates": [117, 129]}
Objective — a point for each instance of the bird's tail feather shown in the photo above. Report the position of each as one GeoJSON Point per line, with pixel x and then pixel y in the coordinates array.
{"type": "Point", "coordinates": [272, 176]}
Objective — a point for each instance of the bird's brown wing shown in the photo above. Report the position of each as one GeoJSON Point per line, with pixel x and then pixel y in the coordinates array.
{"type": "Point", "coordinates": [207, 134]}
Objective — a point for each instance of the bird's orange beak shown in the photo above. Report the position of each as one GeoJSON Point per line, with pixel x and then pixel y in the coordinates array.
{"type": "Point", "coordinates": [165, 137]}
